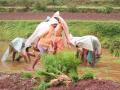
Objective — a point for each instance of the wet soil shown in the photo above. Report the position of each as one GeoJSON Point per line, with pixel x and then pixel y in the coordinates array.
{"type": "Point", "coordinates": [107, 68]}
{"type": "Point", "coordinates": [90, 85]}
{"type": "Point", "coordinates": [65, 15]}
{"type": "Point", "coordinates": [15, 82]}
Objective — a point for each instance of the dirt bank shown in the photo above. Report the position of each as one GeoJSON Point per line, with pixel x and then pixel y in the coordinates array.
{"type": "Point", "coordinates": [66, 15]}
{"type": "Point", "coordinates": [90, 85]}
{"type": "Point", "coordinates": [15, 82]}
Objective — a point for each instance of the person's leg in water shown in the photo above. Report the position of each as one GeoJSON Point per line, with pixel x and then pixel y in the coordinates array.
{"type": "Point", "coordinates": [85, 56]}
{"type": "Point", "coordinates": [78, 52]}
{"type": "Point", "coordinates": [18, 58]}
{"type": "Point", "coordinates": [29, 53]}
{"type": "Point", "coordinates": [93, 59]}
{"type": "Point", "coordinates": [13, 56]}
{"type": "Point", "coordinates": [54, 45]}
{"type": "Point", "coordinates": [13, 51]}
{"type": "Point", "coordinates": [37, 58]}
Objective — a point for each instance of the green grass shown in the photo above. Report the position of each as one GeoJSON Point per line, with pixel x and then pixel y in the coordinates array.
{"type": "Point", "coordinates": [12, 29]}
{"type": "Point", "coordinates": [20, 28]}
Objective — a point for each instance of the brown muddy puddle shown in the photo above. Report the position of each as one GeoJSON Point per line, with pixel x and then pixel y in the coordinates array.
{"type": "Point", "coordinates": [107, 68]}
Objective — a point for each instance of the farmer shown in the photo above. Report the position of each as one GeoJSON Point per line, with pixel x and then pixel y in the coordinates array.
{"type": "Point", "coordinates": [43, 42]}
{"type": "Point", "coordinates": [15, 46]}
{"type": "Point", "coordinates": [41, 38]}
{"type": "Point", "coordinates": [18, 45]}
{"type": "Point", "coordinates": [58, 40]}
{"type": "Point", "coordinates": [89, 47]}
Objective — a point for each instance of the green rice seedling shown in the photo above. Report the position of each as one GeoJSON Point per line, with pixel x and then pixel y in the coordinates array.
{"type": "Point", "coordinates": [42, 86]}
{"type": "Point", "coordinates": [87, 75]}
{"type": "Point", "coordinates": [63, 62]}
{"type": "Point", "coordinates": [74, 75]}
{"type": "Point", "coordinates": [115, 48]}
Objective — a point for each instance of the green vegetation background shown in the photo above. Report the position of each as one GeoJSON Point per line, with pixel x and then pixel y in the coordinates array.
{"type": "Point", "coordinates": [106, 31]}
{"type": "Point", "coordinates": [100, 6]}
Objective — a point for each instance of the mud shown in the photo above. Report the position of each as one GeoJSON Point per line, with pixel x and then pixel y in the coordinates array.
{"type": "Point", "coordinates": [15, 82]}
{"type": "Point", "coordinates": [90, 85]}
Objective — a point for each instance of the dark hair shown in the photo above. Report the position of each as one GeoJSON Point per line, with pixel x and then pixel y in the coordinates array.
{"type": "Point", "coordinates": [77, 46]}
{"type": "Point", "coordinates": [57, 19]}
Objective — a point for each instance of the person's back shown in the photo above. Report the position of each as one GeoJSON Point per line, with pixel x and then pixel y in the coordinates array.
{"type": "Point", "coordinates": [15, 46]}
{"type": "Point", "coordinates": [18, 43]}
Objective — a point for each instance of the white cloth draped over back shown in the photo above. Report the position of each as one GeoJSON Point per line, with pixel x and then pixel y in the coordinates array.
{"type": "Point", "coordinates": [44, 26]}
{"type": "Point", "coordinates": [16, 44]}
{"type": "Point", "coordinates": [86, 42]}
{"type": "Point", "coordinates": [41, 28]}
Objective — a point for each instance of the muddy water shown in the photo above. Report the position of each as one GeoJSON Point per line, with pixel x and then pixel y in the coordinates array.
{"type": "Point", "coordinates": [107, 68]}
{"type": "Point", "coordinates": [9, 66]}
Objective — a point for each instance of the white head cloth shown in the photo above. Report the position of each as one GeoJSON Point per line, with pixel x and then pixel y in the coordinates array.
{"type": "Point", "coordinates": [64, 24]}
